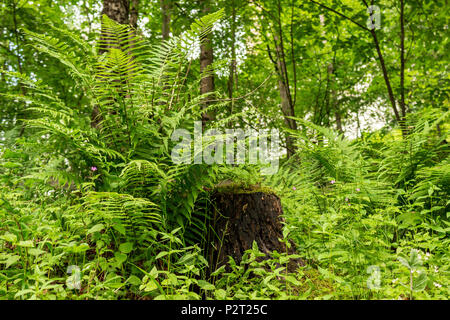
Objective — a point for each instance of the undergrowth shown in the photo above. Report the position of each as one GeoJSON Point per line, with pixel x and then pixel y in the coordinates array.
{"type": "Point", "coordinates": [96, 209]}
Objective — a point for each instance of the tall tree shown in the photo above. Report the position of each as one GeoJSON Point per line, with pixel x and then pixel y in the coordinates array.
{"type": "Point", "coordinates": [399, 115]}
{"type": "Point", "coordinates": [117, 10]}
{"type": "Point", "coordinates": [134, 13]}
{"type": "Point", "coordinates": [206, 63]}
{"type": "Point", "coordinates": [287, 102]}
{"type": "Point", "coordinates": [166, 6]}
{"type": "Point", "coordinates": [232, 67]}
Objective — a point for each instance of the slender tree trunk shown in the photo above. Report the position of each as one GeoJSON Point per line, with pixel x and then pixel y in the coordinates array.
{"type": "Point", "coordinates": [402, 67]}
{"type": "Point", "coordinates": [134, 13]}
{"type": "Point", "coordinates": [386, 76]}
{"type": "Point", "coordinates": [206, 61]}
{"type": "Point", "coordinates": [232, 68]}
{"type": "Point", "coordinates": [21, 114]}
{"type": "Point", "coordinates": [337, 115]}
{"type": "Point", "coordinates": [331, 100]}
{"type": "Point", "coordinates": [398, 117]}
{"type": "Point", "coordinates": [166, 6]}
{"type": "Point", "coordinates": [117, 10]}
{"type": "Point", "coordinates": [294, 62]}
{"type": "Point", "coordinates": [286, 102]}
{"type": "Point", "coordinates": [287, 105]}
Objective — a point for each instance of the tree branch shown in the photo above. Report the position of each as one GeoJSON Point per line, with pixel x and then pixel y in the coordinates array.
{"type": "Point", "coordinates": [340, 14]}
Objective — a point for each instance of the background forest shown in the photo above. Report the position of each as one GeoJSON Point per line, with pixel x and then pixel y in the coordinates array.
{"type": "Point", "coordinates": [93, 207]}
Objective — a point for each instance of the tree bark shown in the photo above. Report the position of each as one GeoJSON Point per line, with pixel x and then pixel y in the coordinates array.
{"type": "Point", "coordinates": [337, 115]}
{"type": "Point", "coordinates": [21, 114]}
{"type": "Point", "coordinates": [402, 68]}
{"type": "Point", "coordinates": [386, 76]}
{"type": "Point", "coordinates": [287, 105]}
{"type": "Point", "coordinates": [285, 95]}
{"type": "Point", "coordinates": [232, 68]}
{"type": "Point", "coordinates": [166, 6]}
{"type": "Point", "coordinates": [134, 13]}
{"type": "Point", "coordinates": [206, 61]}
{"type": "Point", "coordinates": [241, 218]}
{"type": "Point", "coordinates": [117, 10]}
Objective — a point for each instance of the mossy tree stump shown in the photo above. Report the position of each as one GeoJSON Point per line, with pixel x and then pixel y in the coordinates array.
{"type": "Point", "coordinates": [239, 218]}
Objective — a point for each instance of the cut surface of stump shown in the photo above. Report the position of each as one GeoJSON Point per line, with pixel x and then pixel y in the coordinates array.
{"type": "Point", "coordinates": [241, 218]}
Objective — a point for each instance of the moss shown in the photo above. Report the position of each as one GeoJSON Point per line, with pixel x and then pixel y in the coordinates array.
{"type": "Point", "coordinates": [239, 188]}
{"type": "Point", "coordinates": [315, 284]}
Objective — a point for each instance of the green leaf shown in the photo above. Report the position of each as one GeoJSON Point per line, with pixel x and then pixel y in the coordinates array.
{"type": "Point", "coordinates": [220, 294]}
{"type": "Point", "coordinates": [11, 260]}
{"type": "Point", "coordinates": [96, 228]}
{"type": "Point", "coordinates": [120, 257]}
{"type": "Point", "coordinates": [35, 251]}
{"type": "Point", "coordinates": [11, 165]}
{"type": "Point", "coordinates": [153, 273]}
{"type": "Point", "coordinates": [205, 285]}
{"type": "Point", "coordinates": [134, 280]}
{"type": "Point", "coordinates": [80, 248]}
{"type": "Point", "coordinates": [161, 254]}
{"type": "Point", "coordinates": [414, 259]}
{"type": "Point", "coordinates": [120, 228]}
{"type": "Point", "coordinates": [9, 237]}
{"type": "Point", "coordinates": [420, 282]}
{"type": "Point", "coordinates": [26, 244]}
{"type": "Point", "coordinates": [187, 259]}
{"type": "Point", "coordinates": [255, 246]}
{"type": "Point", "coordinates": [172, 279]}
{"type": "Point", "coordinates": [126, 247]}
{"type": "Point", "coordinates": [291, 279]}
{"type": "Point", "coordinates": [404, 262]}
{"type": "Point", "coordinates": [218, 271]}
{"type": "Point", "coordinates": [149, 286]}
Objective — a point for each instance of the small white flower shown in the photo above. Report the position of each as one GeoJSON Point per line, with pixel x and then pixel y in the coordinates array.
{"type": "Point", "coordinates": [436, 269]}
{"type": "Point", "coordinates": [437, 285]}
{"type": "Point", "coordinates": [395, 280]}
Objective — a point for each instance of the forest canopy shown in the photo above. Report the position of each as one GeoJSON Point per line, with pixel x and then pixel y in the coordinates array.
{"type": "Point", "coordinates": [224, 149]}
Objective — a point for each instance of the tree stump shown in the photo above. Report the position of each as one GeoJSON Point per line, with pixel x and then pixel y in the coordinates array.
{"type": "Point", "coordinates": [241, 218]}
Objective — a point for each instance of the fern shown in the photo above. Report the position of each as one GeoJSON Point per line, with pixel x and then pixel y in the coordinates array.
{"type": "Point", "coordinates": [133, 217]}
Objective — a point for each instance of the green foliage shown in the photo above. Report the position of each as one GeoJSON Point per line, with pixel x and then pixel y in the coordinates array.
{"type": "Point", "coordinates": [353, 207]}
{"type": "Point", "coordinates": [93, 207]}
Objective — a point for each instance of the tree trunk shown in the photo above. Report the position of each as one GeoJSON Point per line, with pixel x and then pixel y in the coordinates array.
{"type": "Point", "coordinates": [332, 99]}
{"type": "Point", "coordinates": [402, 68]}
{"type": "Point", "coordinates": [165, 12]}
{"type": "Point", "coordinates": [241, 218]}
{"type": "Point", "coordinates": [22, 113]}
{"type": "Point", "coordinates": [117, 10]}
{"type": "Point", "coordinates": [206, 61]}
{"type": "Point", "coordinates": [134, 13]}
{"type": "Point", "coordinates": [398, 118]}
{"type": "Point", "coordinates": [338, 121]}
{"type": "Point", "coordinates": [287, 104]}
{"type": "Point", "coordinates": [285, 96]}
{"type": "Point", "coordinates": [232, 68]}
